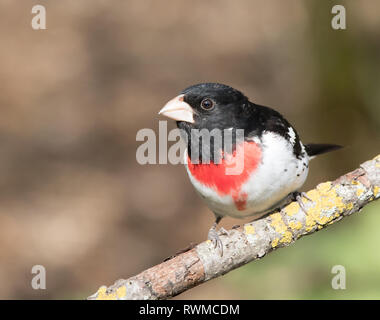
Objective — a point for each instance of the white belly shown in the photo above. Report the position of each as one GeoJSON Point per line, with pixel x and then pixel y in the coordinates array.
{"type": "Point", "coordinates": [278, 174]}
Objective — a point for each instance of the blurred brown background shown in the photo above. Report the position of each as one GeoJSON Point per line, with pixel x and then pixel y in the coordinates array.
{"type": "Point", "coordinates": [72, 98]}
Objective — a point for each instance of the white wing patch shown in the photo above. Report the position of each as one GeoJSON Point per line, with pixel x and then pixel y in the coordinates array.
{"type": "Point", "coordinates": [292, 136]}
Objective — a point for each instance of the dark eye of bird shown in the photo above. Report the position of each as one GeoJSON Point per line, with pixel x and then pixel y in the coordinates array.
{"type": "Point", "coordinates": [207, 104]}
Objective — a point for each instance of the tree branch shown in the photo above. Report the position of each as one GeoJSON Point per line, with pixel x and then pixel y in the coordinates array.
{"type": "Point", "coordinates": [331, 201]}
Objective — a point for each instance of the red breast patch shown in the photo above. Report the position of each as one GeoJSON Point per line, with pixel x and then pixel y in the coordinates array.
{"type": "Point", "coordinates": [243, 161]}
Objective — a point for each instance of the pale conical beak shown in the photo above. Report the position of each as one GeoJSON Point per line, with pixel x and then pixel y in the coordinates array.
{"type": "Point", "coordinates": [178, 109]}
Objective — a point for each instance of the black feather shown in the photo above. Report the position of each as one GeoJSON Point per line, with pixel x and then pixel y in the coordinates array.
{"type": "Point", "coordinates": [314, 149]}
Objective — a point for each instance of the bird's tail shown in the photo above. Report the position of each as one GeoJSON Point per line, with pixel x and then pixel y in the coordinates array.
{"type": "Point", "coordinates": [314, 149]}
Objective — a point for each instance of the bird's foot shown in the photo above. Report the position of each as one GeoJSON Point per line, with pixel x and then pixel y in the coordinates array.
{"type": "Point", "coordinates": [297, 196]}
{"type": "Point", "coordinates": [215, 239]}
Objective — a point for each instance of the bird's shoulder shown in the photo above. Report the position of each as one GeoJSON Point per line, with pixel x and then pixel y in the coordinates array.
{"type": "Point", "coordinates": [264, 119]}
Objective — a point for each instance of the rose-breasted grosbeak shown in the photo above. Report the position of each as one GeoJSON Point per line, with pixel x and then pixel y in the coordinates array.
{"type": "Point", "coordinates": [275, 162]}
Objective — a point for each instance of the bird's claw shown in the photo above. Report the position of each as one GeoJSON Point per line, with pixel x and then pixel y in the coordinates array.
{"type": "Point", "coordinates": [215, 239]}
{"type": "Point", "coordinates": [298, 197]}
{"type": "Point", "coordinates": [224, 231]}
{"type": "Point", "coordinates": [304, 195]}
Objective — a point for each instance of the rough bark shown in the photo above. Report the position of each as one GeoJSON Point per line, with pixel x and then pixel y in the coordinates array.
{"type": "Point", "coordinates": [330, 202]}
